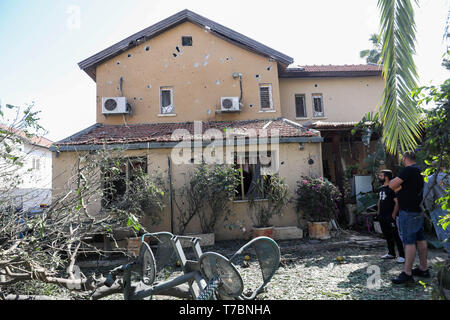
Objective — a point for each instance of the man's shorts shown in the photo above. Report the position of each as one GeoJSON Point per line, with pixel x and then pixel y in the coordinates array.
{"type": "Point", "coordinates": [411, 226]}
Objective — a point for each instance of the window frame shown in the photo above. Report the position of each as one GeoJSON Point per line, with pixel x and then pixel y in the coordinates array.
{"type": "Point", "coordinates": [161, 112]}
{"type": "Point", "coordinates": [266, 85]}
{"type": "Point", "coordinates": [36, 164]}
{"type": "Point", "coordinates": [131, 164]}
{"type": "Point", "coordinates": [263, 172]}
{"type": "Point", "coordinates": [315, 114]}
{"type": "Point", "coordinates": [189, 43]}
{"type": "Point", "coordinates": [305, 109]}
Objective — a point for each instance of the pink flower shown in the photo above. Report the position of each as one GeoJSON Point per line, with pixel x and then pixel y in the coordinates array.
{"type": "Point", "coordinates": [305, 181]}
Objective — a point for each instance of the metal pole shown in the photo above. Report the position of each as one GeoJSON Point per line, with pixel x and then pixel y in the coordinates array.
{"type": "Point", "coordinates": [170, 194]}
{"type": "Point", "coordinates": [149, 291]}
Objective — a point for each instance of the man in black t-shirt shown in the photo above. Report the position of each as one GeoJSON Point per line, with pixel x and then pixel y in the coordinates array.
{"type": "Point", "coordinates": [411, 218]}
{"type": "Point", "coordinates": [387, 212]}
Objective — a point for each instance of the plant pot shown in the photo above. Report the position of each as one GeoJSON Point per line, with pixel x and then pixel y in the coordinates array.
{"type": "Point", "coordinates": [319, 230]}
{"type": "Point", "coordinates": [287, 233]}
{"type": "Point", "coordinates": [262, 232]}
{"type": "Point", "coordinates": [134, 245]}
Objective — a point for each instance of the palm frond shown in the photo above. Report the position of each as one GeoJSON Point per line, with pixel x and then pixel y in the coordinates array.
{"type": "Point", "coordinates": [399, 113]}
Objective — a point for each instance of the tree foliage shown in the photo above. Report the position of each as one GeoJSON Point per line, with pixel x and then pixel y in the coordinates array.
{"type": "Point", "coordinates": [207, 195]}
{"type": "Point", "coordinates": [44, 245]}
{"type": "Point", "coordinates": [373, 55]}
{"type": "Point", "coordinates": [399, 114]}
{"type": "Point", "coordinates": [273, 197]}
{"type": "Point", "coordinates": [435, 146]}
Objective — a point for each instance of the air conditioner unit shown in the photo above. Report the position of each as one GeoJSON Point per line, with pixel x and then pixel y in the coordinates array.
{"type": "Point", "coordinates": [229, 104]}
{"type": "Point", "coordinates": [114, 105]}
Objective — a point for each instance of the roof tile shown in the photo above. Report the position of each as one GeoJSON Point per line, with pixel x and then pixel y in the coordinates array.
{"type": "Point", "coordinates": [166, 132]}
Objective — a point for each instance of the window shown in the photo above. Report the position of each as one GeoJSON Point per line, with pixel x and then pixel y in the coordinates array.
{"type": "Point", "coordinates": [117, 178]}
{"type": "Point", "coordinates": [166, 100]}
{"type": "Point", "coordinates": [254, 171]}
{"type": "Point", "coordinates": [300, 107]}
{"type": "Point", "coordinates": [317, 105]}
{"type": "Point", "coordinates": [265, 96]}
{"type": "Point", "coordinates": [186, 41]}
{"type": "Point", "coordinates": [36, 163]}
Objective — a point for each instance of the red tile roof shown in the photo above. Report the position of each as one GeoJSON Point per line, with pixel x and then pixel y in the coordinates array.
{"type": "Point", "coordinates": [34, 139]}
{"type": "Point", "coordinates": [332, 70]}
{"type": "Point", "coordinates": [165, 132]}
{"type": "Point", "coordinates": [340, 68]}
{"type": "Point", "coordinates": [331, 125]}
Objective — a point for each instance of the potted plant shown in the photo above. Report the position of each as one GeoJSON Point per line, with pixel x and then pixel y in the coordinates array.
{"type": "Point", "coordinates": [317, 199]}
{"type": "Point", "coordinates": [271, 196]}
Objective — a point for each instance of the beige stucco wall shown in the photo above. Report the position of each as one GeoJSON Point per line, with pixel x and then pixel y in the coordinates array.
{"type": "Point", "coordinates": [344, 99]}
{"type": "Point", "coordinates": [293, 163]}
{"type": "Point", "coordinates": [200, 75]}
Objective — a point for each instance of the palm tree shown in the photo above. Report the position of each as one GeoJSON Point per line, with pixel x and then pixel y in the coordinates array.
{"type": "Point", "coordinates": [372, 55]}
{"type": "Point", "coordinates": [399, 114]}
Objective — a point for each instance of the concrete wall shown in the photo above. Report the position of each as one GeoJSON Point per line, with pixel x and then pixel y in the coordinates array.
{"type": "Point", "coordinates": [344, 99]}
{"type": "Point", "coordinates": [293, 163]}
{"type": "Point", "coordinates": [200, 75]}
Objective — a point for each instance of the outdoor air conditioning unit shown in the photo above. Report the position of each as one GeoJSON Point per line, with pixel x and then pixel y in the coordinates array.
{"type": "Point", "coordinates": [229, 104]}
{"type": "Point", "coordinates": [114, 105]}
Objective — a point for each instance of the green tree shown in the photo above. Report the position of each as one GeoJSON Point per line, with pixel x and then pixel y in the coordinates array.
{"type": "Point", "coordinates": [435, 146]}
{"type": "Point", "coordinates": [446, 38]}
{"type": "Point", "coordinates": [373, 55]}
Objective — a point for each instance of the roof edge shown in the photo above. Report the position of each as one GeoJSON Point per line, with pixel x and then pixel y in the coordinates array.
{"type": "Point", "coordinates": [88, 64]}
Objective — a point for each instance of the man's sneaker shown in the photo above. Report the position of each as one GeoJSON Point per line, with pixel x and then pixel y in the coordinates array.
{"type": "Point", "coordinates": [400, 260]}
{"type": "Point", "coordinates": [417, 272]}
{"type": "Point", "coordinates": [387, 256]}
{"type": "Point", "coordinates": [403, 278]}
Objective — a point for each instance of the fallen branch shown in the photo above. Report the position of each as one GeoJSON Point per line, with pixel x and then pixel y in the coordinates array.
{"type": "Point", "coordinates": [26, 297]}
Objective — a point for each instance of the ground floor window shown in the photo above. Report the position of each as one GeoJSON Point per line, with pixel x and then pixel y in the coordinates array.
{"type": "Point", "coordinates": [118, 176]}
{"type": "Point", "coordinates": [254, 171]}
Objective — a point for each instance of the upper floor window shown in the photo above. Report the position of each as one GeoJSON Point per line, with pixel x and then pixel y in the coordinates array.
{"type": "Point", "coordinates": [300, 106]}
{"type": "Point", "coordinates": [265, 96]}
{"type": "Point", "coordinates": [36, 163]}
{"type": "Point", "coordinates": [166, 100]}
{"type": "Point", "coordinates": [317, 100]}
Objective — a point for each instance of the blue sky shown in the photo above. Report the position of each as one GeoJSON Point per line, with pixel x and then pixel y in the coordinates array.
{"type": "Point", "coordinates": [41, 42]}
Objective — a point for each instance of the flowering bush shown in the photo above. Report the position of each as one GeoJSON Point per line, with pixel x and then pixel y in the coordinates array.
{"type": "Point", "coordinates": [317, 199]}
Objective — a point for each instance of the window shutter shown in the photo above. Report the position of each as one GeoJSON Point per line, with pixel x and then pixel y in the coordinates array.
{"type": "Point", "coordinates": [264, 93]}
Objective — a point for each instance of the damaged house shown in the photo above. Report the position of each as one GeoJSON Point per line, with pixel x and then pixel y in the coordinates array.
{"type": "Point", "coordinates": [188, 69]}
